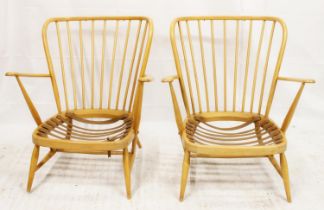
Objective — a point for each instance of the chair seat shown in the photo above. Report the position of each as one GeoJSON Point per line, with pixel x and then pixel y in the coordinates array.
{"type": "Point", "coordinates": [255, 136]}
{"type": "Point", "coordinates": [70, 131]}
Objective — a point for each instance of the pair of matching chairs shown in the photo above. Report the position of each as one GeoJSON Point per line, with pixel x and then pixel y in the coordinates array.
{"type": "Point", "coordinates": [227, 69]}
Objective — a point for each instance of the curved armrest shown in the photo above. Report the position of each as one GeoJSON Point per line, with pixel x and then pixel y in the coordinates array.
{"type": "Point", "coordinates": [17, 74]}
{"type": "Point", "coordinates": [293, 106]}
{"type": "Point", "coordinates": [170, 78]}
{"type": "Point", "coordinates": [290, 79]}
{"type": "Point", "coordinates": [29, 102]}
{"type": "Point", "coordinates": [145, 79]}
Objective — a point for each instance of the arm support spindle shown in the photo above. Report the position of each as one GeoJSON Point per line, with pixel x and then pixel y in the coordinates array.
{"type": "Point", "coordinates": [29, 102]}
{"type": "Point", "coordinates": [176, 108]}
{"type": "Point", "coordinates": [293, 106]}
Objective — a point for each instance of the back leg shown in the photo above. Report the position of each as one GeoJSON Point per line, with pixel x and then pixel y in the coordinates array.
{"type": "Point", "coordinates": [184, 177]}
{"type": "Point", "coordinates": [285, 175]}
{"type": "Point", "coordinates": [33, 167]}
{"type": "Point", "coordinates": [127, 172]}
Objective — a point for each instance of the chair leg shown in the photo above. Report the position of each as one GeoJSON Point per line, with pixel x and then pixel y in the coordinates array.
{"type": "Point", "coordinates": [185, 170]}
{"type": "Point", "coordinates": [33, 167]}
{"type": "Point", "coordinates": [127, 172]}
{"type": "Point", "coordinates": [285, 175]}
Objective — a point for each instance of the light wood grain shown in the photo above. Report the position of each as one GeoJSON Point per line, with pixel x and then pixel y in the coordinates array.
{"type": "Point", "coordinates": [256, 135]}
{"type": "Point", "coordinates": [72, 129]}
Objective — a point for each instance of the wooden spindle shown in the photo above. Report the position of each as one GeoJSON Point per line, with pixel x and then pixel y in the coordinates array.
{"type": "Point", "coordinates": [132, 63]}
{"type": "Point", "coordinates": [236, 63]}
{"type": "Point", "coordinates": [214, 63]}
{"type": "Point", "coordinates": [277, 69]}
{"type": "Point", "coordinates": [203, 64]}
{"type": "Point", "coordinates": [247, 64]}
{"type": "Point", "coordinates": [187, 68]}
{"type": "Point", "coordinates": [138, 65]}
{"type": "Point", "coordinates": [72, 65]}
{"type": "Point", "coordinates": [62, 64]}
{"type": "Point", "coordinates": [123, 63]}
{"type": "Point", "coordinates": [265, 69]}
{"type": "Point", "coordinates": [82, 64]}
{"type": "Point", "coordinates": [102, 74]}
{"type": "Point", "coordinates": [112, 67]}
{"type": "Point", "coordinates": [225, 67]}
{"type": "Point", "coordinates": [92, 62]}
{"type": "Point", "coordinates": [256, 66]}
{"type": "Point", "coordinates": [194, 65]}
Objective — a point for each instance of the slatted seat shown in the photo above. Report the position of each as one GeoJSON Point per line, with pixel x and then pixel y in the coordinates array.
{"type": "Point", "coordinates": [228, 69]}
{"type": "Point", "coordinates": [223, 135]}
{"type": "Point", "coordinates": [97, 70]}
{"type": "Point", "coordinates": [66, 127]}
{"type": "Point", "coordinates": [259, 132]}
{"type": "Point", "coordinates": [78, 132]}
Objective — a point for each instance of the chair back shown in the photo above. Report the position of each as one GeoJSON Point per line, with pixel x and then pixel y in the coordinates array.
{"type": "Point", "coordinates": [228, 64]}
{"type": "Point", "coordinates": [95, 62]}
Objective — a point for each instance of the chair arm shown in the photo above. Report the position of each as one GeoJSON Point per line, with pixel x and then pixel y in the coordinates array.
{"type": "Point", "coordinates": [176, 108]}
{"type": "Point", "coordinates": [145, 79]}
{"type": "Point", "coordinates": [290, 79]}
{"type": "Point", "coordinates": [29, 102]}
{"type": "Point", "coordinates": [293, 106]}
{"type": "Point", "coordinates": [170, 78]}
{"type": "Point", "coordinates": [16, 74]}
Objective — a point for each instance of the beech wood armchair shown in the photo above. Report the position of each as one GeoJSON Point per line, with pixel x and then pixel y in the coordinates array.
{"type": "Point", "coordinates": [228, 69]}
{"type": "Point", "coordinates": [97, 70]}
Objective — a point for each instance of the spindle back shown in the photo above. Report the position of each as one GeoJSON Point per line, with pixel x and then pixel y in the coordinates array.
{"type": "Point", "coordinates": [95, 62]}
{"type": "Point", "coordinates": [228, 64]}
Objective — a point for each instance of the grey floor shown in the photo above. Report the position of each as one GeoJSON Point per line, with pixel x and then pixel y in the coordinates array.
{"type": "Point", "coordinates": [72, 181]}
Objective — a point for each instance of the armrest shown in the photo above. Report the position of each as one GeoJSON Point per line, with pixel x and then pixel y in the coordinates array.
{"type": "Point", "coordinates": [29, 102]}
{"type": "Point", "coordinates": [290, 79]}
{"type": "Point", "coordinates": [293, 106]}
{"type": "Point", "coordinates": [170, 78]}
{"type": "Point", "coordinates": [17, 74]}
{"type": "Point", "coordinates": [145, 79]}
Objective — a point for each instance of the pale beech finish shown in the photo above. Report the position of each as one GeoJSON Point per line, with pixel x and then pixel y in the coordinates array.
{"type": "Point", "coordinates": [84, 123]}
{"type": "Point", "coordinates": [185, 170]}
{"type": "Point", "coordinates": [233, 63]}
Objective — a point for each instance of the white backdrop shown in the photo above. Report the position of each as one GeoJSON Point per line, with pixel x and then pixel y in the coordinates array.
{"type": "Point", "coordinates": [21, 46]}
{"type": "Point", "coordinates": [21, 50]}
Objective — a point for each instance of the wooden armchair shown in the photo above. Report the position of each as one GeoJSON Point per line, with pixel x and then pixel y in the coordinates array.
{"type": "Point", "coordinates": [97, 70]}
{"type": "Point", "coordinates": [228, 69]}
